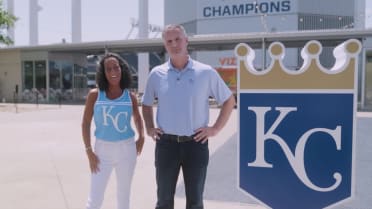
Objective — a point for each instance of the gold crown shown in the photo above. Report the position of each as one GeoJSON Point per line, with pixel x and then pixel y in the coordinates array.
{"type": "Point", "coordinates": [312, 75]}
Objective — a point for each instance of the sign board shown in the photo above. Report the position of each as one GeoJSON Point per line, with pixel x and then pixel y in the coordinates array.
{"type": "Point", "coordinates": [240, 8]}
{"type": "Point", "coordinates": [297, 128]}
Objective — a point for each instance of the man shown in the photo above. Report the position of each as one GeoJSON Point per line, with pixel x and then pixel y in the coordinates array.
{"type": "Point", "coordinates": [182, 87]}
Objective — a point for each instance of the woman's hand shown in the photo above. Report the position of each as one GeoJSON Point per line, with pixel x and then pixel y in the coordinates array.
{"type": "Point", "coordinates": [139, 144]}
{"type": "Point", "coordinates": [93, 161]}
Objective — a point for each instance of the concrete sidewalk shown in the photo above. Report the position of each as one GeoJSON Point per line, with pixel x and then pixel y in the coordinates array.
{"type": "Point", "coordinates": [44, 166]}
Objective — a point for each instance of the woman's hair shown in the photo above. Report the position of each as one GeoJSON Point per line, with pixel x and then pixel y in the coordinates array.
{"type": "Point", "coordinates": [126, 76]}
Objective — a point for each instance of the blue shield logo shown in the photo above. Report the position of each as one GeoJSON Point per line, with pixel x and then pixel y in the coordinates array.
{"type": "Point", "coordinates": [297, 128]}
{"type": "Point", "coordinates": [296, 148]}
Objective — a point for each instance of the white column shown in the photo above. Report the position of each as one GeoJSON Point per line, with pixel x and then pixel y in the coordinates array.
{"type": "Point", "coordinates": [10, 9]}
{"type": "Point", "coordinates": [75, 21]}
{"type": "Point", "coordinates": [34, 22]}
{"type": "Point", "coordinates": [143, 33]}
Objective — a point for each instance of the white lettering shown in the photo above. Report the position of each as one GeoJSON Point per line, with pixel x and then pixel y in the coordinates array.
{"type": "Point", "coordinates": [244, 9]}
{"type": "Point", "coordinates": [115, 120]}
{"type": "Point", "coordinates": [295, 160]}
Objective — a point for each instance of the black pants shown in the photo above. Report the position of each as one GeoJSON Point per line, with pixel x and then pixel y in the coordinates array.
{"type": "Point", "coordinates": [170, 157]}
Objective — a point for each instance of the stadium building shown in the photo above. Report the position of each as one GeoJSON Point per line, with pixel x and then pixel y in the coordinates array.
{"type": "Point", "coordinates": [49, 73]}
{"type": "Point", "coordinates": [269, 16]}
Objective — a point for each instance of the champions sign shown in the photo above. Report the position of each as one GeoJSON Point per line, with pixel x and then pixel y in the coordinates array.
{"type": "Point", "coordinates": [297, 128]}
{"type": "Point", "coordinates": [234, 8]}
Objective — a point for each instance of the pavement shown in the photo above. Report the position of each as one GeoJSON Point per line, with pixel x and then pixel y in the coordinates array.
{"type": "Point", "coordinates": [44, 166]}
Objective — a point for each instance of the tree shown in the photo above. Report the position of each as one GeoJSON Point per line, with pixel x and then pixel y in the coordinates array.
{"type": "Point", "coordinates": [6, 21]}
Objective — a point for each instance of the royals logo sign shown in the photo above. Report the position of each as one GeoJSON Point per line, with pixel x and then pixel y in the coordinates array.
{"type": "Point", "coordinates": [297, 128]}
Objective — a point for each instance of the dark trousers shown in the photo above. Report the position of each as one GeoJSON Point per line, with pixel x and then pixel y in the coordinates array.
{"type": "Point", "coordinates": [170, 157]}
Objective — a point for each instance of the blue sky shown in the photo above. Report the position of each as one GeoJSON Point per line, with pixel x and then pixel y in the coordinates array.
{"type": "Point", "coordinates": [101, 20]}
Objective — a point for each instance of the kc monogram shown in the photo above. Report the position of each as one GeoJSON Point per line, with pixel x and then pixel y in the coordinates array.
{"type": "Point", "coordinates": [295, 160]}
{"type": "Point", "coordinates": [114, 118]}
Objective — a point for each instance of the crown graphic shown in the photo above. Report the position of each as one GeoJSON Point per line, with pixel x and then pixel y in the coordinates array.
{"type": "Point", "coordinates": [312, 75]}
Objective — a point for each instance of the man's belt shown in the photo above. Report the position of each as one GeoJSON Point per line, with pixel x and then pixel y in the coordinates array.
{"type": "Point", "coordinates": [178, 138]}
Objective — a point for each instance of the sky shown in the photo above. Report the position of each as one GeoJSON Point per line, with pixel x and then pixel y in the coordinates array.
{"type": "Point", "coordinates": [101, 20]}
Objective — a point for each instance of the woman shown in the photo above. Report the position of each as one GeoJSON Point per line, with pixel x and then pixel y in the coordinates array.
{"type": "Point", "coordinates": [112, 106]}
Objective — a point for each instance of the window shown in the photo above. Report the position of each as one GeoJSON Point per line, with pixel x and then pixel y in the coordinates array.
{"type": "Point", "coordinates": [28, 75]}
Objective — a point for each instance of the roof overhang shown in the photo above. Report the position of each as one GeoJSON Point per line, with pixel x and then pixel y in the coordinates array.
{"type": "Point", "coordinates": [225, 41]}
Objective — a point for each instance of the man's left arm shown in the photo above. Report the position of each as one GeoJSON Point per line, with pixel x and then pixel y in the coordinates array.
{"type": "Point", "coordinates": [204, 133]}
{"type": "Point", "coordinates": [225, 113]}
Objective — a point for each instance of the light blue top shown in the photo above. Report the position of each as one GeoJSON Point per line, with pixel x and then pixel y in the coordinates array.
{"type": "Point", "coordinates": [183, 96]}
{"type": "Point", "coordinates": [112, 117]}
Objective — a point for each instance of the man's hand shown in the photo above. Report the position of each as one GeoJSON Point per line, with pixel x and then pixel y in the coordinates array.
{"type": "Point", "coordinates": [154, 133]}
{"type": "Point", "coordinates": [202, 134]}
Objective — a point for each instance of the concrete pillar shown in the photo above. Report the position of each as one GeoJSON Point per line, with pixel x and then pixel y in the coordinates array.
{"type": "Point", "coordinates": [34, 22]}
{"type": "Point", "coordinates": [10, 9]}
{"type": "Point", "coordinates": [75, 21]}
{"type": "Point", "coordinates": [143, 33]}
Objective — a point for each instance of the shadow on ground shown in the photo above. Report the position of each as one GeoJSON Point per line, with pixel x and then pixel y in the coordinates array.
{"type": "Point", "coordinates": [221, 184]}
